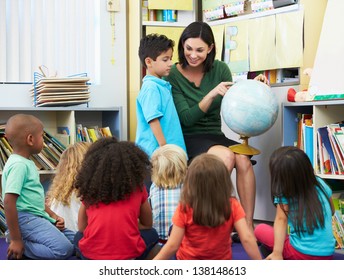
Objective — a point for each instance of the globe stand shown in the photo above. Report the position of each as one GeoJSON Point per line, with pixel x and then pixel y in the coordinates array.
{"type": "Point", "coordinates": [244, 148]}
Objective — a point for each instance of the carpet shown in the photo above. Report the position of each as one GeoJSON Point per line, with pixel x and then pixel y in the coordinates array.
{"type": "Point", "coordinates": [238, 252]}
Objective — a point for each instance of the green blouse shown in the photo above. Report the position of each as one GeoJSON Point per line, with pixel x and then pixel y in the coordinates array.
{"type": "Point", "coordinates": [187, 95]}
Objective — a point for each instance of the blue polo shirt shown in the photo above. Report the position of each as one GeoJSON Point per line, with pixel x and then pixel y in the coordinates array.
{"type": "Point", "coordinates": [155, 102]}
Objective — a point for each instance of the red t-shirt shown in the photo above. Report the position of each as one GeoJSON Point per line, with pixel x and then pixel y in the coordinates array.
{"type": "Point", "coordinates": [112, 232]}
{"type": "Point", "coordinates": [206, 243]}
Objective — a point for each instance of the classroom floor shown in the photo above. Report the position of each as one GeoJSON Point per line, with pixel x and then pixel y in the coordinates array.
{"type": "Point", "coordinates": [237, 251]}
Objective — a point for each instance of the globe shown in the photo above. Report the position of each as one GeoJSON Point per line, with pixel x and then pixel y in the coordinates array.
{"type": "Point", "coordinates": [249, 108]}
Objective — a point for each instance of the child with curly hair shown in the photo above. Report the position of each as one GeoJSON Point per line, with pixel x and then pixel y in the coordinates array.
{"type": "Point", "coordinates": [62, 196]}
{"type": "Point", "coordinates": [206, 215]}
{"type": "Point", "coordinates": [115, 218]}
{"type": "Point", "coordinates": [169, 165]}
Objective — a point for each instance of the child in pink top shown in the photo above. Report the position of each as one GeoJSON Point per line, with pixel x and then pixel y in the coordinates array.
{"type": "Point", "coordinates": [206, 215]}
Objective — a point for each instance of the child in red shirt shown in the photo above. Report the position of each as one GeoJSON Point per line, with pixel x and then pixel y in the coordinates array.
{"type": "Point", "coordinates": [206, 215]}
{"type": "Point", "coordinates": [115, 218]}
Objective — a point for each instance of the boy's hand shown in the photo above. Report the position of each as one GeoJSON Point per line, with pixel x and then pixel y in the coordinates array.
{"type": "Point", "coordinates": [60, 224]}
{"type": "Point", "coordinates": [15, 250]}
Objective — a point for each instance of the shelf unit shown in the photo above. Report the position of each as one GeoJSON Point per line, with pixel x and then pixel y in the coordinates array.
{"type": "Point", "coordinates": [184, 17]}
{"type": "Point", "coordinates": [53, 117]}
{"type": "Point", "coordinates": [324, 113]}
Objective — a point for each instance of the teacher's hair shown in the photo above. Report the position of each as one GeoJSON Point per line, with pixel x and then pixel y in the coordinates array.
{"type": "Point", "coordinates": [200, 30]}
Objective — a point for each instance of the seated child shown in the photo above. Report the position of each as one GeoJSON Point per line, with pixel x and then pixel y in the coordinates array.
{"type": "Point", "coordinates": [61, 196]}
{"type": "Point", "coordinates": [169, 164]}
{"type": "Point", "coordinates": [304, 204]}
{"type": "Point", "coordinates": [34, 230]}
{"type": "Point", "coordinates": [206, 215]}
{"type": "Point", "coordinates": [115, 218]}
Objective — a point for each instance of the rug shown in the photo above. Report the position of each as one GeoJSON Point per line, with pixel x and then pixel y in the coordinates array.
{"type": "Point", "coordinates": [238, 252]}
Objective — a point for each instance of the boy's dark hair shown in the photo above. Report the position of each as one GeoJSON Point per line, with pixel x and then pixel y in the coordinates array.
{"type": "Point", "coordinates": [200, 30]}
{"type": "Point", "coordinates": [111, 171]}
{"type": "Point", "coordinates": [152, 45]}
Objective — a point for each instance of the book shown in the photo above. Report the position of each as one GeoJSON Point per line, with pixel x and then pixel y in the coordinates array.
{"type": "Point", "coordinates": [106, 131]}
{"type": "Point", "coordinates": [92, 134]}
{"type": "Point", "coordinates": [325, 165]}
{"type": "Point", "coordinates": [308, 142]}
{"type": "Point", "coordinates": [337, 154]}
{"type": "Point", "coordinates": [327, 144]}
{"type": "Point", "coordinates": [54, 141]}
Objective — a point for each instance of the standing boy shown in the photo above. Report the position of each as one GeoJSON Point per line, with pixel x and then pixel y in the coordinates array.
{"type": "Point", "coordinates": [157, 119]}
{"type": "Point", "coordinates": [34, 230]}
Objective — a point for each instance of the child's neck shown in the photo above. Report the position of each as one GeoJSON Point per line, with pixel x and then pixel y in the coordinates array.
{"type": "Point", "coordinates": [22, 153]}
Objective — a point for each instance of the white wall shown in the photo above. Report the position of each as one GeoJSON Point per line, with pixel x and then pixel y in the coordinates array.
{"type": "Point", "coordinates": [112, 91]}
{"type": "Point", "coordinates": [266, 143]}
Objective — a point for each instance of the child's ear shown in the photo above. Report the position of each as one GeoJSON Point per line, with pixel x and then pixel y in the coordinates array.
{"type": "Point", "coordinates": [29, 140]}
{"type": "Point", "coordinates": [148, 61]}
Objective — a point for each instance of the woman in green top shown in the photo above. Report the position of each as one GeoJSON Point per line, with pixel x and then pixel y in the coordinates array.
{"type": "Point", "coordinates": [199, 83]}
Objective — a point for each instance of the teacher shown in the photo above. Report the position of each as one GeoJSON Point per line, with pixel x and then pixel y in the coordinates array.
{"type": "Point", "coordinates": [199, 83]}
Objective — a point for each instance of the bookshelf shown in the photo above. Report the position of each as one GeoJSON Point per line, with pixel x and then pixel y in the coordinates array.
{"type": "Point", "coordinates": [324, 113]}
{"type": "Point", "coordinates": [187, 12]}
{"type": "Point", "coordinates": [69, 117]}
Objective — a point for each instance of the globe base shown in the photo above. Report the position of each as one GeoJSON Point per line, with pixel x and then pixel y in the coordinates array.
{"type": "Point", "coordinates": [244, 148]}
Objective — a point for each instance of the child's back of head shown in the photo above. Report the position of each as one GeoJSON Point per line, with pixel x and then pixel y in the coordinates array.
{"type": "Point", "coordinates": [169, 165]}
{"type": "Point", "coordinates": [152, 45]}
{"type": "Point", "coordinates": [207, 189]}
{"type": "Point", "coordinates": [62, 186]}
{"type": "Point", "coordinates": [111, 171]}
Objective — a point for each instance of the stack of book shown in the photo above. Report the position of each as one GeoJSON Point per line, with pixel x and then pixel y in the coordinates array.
{"type": "Point", "coordinates": [60, 91]}
{"type": "Point", "coordinates": [91, 134]}
{"type": "Point", "coordinates": [330, 143]}
{"type": "Point", "coordinates": [337, 219]}
{"type": "Point", "coordinates": [47, 159]}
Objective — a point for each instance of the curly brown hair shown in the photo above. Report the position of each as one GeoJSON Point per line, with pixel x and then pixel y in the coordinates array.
{"type": "Point", "coordinates": [111, 171]}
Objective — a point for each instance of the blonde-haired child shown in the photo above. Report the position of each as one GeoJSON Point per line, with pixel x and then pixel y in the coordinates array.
{"type": "Point", "coordinates": [62, 196]}
{"type": "Point", "coordinates": [169, 165]}
{"type": "Point", "coordinates": [206, 215]}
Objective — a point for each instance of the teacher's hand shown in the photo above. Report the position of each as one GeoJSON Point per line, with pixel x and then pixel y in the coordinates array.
{"type": "Point", "coordinates": [221, 88]}
{"type": "Point", "coordinates": [262, 78]}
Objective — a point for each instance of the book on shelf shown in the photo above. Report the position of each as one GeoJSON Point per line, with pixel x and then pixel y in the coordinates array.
{"type": "Point", "coordinates": [336, 151]}
{"type": "Point", "coordinates": [47, 159]}
{"type": "Point", "coordinates": [338, 228]}
{"type": "Point", "coordinates": [91, 133]}
{"type": "Point", "coordinates": [324, 158]}
{"type": "Point", "coordinates": [327, 145]}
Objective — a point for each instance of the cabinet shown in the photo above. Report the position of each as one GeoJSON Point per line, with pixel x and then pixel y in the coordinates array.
{"type": "Point", "coordinates": [53, 117]}
{"type": "Point", "coordinates": [324, 113]}
{"type": "Point", "coordinates": [172, 29]}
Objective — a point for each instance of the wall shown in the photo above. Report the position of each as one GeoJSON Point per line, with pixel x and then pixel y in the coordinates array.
{"type": "Point", "coordinates": [134, 78]}
{"type": "Point", "coordinates": [113, 89]}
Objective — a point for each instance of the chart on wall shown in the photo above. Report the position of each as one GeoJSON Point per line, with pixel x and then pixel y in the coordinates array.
{"type": "Point", "coordinates": [327, 76]}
